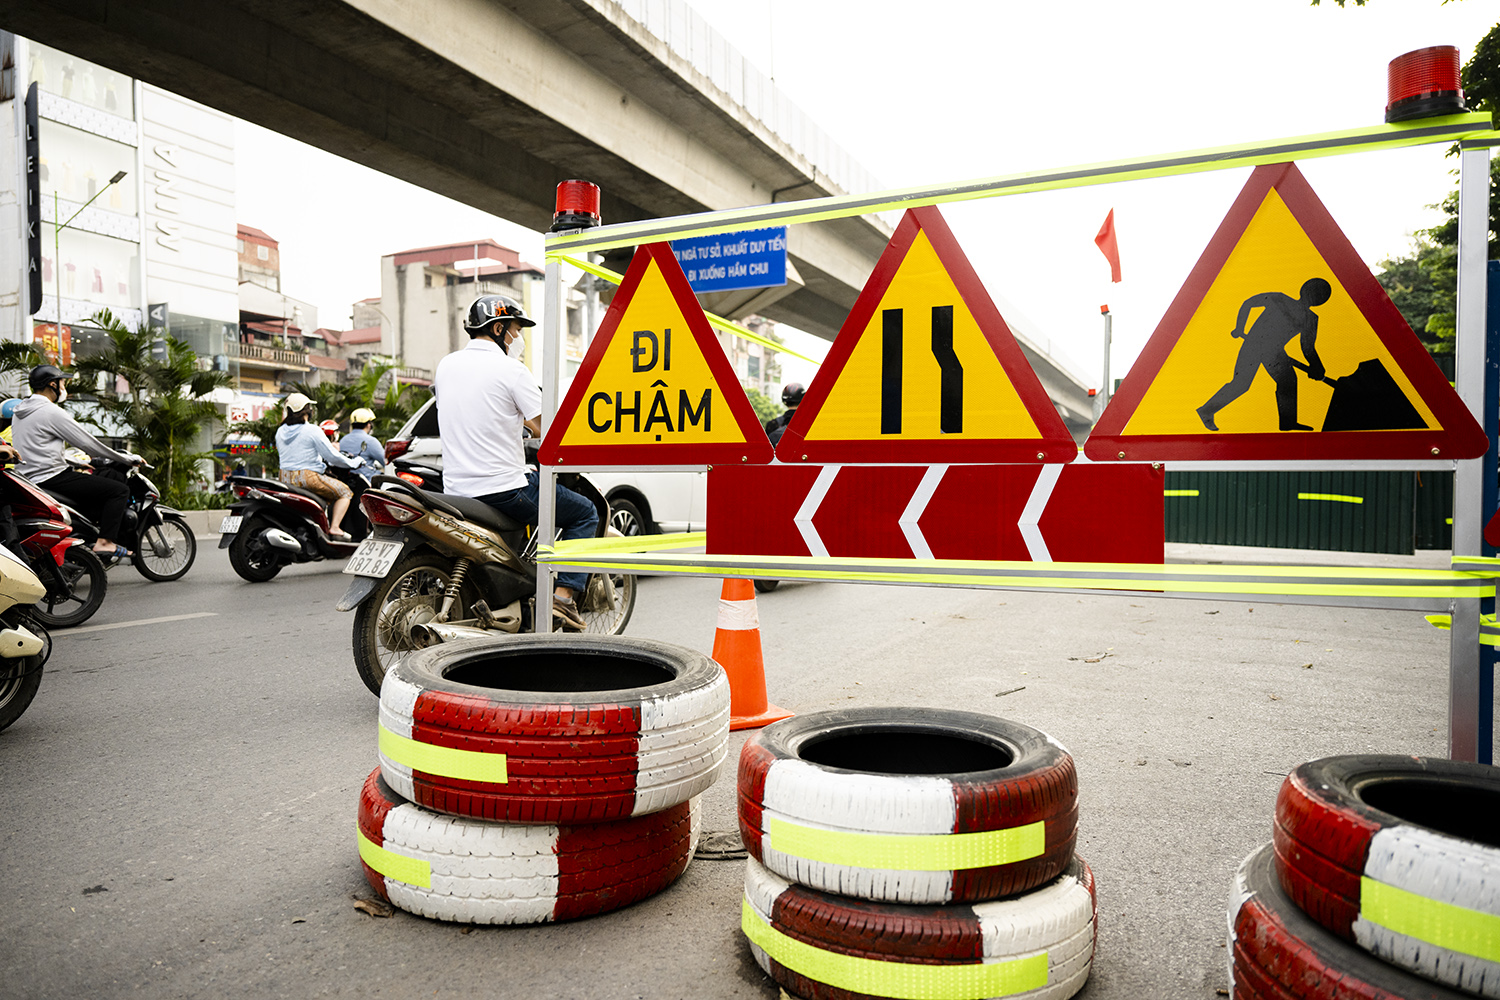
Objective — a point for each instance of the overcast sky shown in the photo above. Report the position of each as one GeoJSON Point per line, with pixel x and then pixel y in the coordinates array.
{"type": "Point", "coordinates": [955, 89]}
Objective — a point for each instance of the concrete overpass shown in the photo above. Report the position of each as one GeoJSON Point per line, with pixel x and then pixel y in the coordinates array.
{"type": "Point", "coordinates": [492, 104]}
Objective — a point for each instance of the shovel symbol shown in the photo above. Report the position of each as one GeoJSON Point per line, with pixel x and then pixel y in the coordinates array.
{"type": "Point", "coordinates": [1368, 400]}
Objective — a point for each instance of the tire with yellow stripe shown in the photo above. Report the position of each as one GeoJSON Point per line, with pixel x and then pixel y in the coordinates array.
{"type": "Point", "coordinates": [553, 728]}
{"type": "Point", "coordinates": [1038, 946]}
{"type": "Point", "coordinates": [1278, 952]}
{"type": "Point", "coordinates": [1400, 855]}
{"type": "Point", "coordinates": [472, 871]}
{"type": "Point", "coordinates": [908, 805]}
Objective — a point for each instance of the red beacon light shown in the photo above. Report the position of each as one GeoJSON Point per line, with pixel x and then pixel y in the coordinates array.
{"type": "Point", "coordinates": [1423, 84]}
{"type": "Point", "coordinates": [577, 206]}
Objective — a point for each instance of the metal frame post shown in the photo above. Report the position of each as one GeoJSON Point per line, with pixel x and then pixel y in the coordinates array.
{"type": "Point", "coordinates": [1466, 740]}
{"type": "Point", "coordinates": [546, 514]}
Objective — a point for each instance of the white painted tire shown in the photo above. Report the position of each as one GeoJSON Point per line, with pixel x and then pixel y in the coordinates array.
{"type": "Point", "coordinates": [908, 805]}
{"type": "Point", "coordinates": [1037, 946]}
{"type": "Point", "coordinates": [1401, 856]}
{"type": "Point", "coordinates": [477, 872]}
{"type": "Point", "coordinates": [553, 728]}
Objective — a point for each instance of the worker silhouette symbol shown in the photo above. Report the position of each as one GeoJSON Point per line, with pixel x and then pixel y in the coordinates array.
{"type": "Point", "coordinates": [1282, 318]}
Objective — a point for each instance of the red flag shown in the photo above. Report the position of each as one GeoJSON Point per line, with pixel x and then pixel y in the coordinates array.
{"type": "Point", "coordinates": [1107, 245]}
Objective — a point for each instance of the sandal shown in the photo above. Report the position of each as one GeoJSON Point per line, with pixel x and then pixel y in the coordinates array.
{"type": "Point", "coordinates": [118, 554]}
{"type": "Point", "coordinates": [340, 536]}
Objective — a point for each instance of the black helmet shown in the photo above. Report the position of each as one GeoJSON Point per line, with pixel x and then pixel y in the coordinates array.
{"type": "Point", "coordinates": [44, 375]}
{"type": "Point", "coordinates": [791, 395]}
{"type": "Point", "coordinates": [487, 308]}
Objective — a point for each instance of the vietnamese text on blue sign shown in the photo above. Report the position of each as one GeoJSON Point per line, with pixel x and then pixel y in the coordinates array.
{"type": "Point", "coordinates": [751, 258]}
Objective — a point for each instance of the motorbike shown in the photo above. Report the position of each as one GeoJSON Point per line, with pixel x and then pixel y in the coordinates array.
{"type": "Point", "coordinates": [39, 528]}
{"type": "Point", "coordinates": [162, 544]}
{"type": "Point", "coordinates": [272, 524]}
{"type": "Point", "coordinates": [25, 644]}
{"type": "Point", "coordinates": [439, 567]}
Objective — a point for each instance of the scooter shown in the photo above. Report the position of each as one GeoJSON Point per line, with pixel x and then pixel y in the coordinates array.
{"type": "Point", "coordinates": [439, 567]}
{"type": "Point", "coordinates": [24, 642]}
{"type": "Point", "coordinates": [162, 544]}
{"type": "Point", "coordinates": [272, 524]}
{"type": "Point", "coordinates": [39, 529]}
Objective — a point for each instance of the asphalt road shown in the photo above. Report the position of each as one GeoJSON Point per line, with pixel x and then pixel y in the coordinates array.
{"type": "Point", "coordinates": [179, 802]}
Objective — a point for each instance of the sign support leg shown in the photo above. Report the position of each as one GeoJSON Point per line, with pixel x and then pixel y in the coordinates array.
{"type": "Point", "coordinates": [1466, 684]}
{"type": "Point", "coordinates": [546, 514]}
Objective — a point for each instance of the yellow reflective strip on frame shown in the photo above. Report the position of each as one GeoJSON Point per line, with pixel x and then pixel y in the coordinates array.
{"type": "Point", "coordinates": [1444, 925]}
{"type": "Point", "coordinates": [409, 871]}
{"type": "Point", "coordinates": [929, 853]}
{"type": "Point", "coordinates": [900, 980]}
{"type": "Point", "coordinates": [1335, 497]}
{"type": "Point", "coordinates": [466, 765]}
{"type": "Point", "coordinates": [1179, 493]}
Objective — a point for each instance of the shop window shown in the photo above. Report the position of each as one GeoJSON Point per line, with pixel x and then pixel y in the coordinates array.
{"type": "Point", "coordinates": [75, 164]}
{"type": "Point", "coordinates": [79, 80]}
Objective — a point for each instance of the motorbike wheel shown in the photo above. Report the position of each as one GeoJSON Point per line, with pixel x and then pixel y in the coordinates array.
{"type": "Point", "coordinates": [86, 580]}
{"type": "Point", "coordinates": [251, 558]}
{"type": "Point", "coordinates": [165, 551]}
{"type": "Point", "coordinates": [410, 594]}
{"type": "Point", "coordinates": [614, 620]}
{"type": "Point", "coordinates": [766, 586]}
{"type": "Point", "coordinates": [20, 678]}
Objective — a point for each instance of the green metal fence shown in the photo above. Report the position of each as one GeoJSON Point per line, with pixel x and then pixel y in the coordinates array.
{"type": "Point", "coordinates": [1394, 512]}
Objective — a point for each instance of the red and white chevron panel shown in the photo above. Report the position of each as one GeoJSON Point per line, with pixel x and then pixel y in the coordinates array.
{"type": "Point", "coordinates": [558, 757]}
{"type": "Point", "coordinates": [473, 871]}
{"type": "Point", "coordinates": [1037, 946]}
{"type": "Point", "coordinates": [1078, 512]}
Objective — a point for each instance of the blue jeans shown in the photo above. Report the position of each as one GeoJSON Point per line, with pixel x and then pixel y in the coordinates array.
{"type": "Point", "coordinates": [575, 515]}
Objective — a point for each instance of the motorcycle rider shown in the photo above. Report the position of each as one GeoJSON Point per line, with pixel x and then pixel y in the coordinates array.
{"type": "Point", "coordinates": [360, 443]}
{"type": "Point", "coordinates": [791, 398]}
{"type": "Point", "coordinates": [41, 429]}
{"type": "Point", "coordinates": [485, 396]}
{"type": "Point", "coordinates": [304, 453]}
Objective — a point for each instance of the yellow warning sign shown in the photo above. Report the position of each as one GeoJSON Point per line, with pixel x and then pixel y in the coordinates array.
{"type": "Point", "coordinates": [1281, 345]}
{"type": "Point", "coordinates": [925, 363]}
{"type": "Point", "coordinates": [655, 387]}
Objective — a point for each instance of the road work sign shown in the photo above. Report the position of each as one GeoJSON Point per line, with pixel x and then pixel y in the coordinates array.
{"type": "Point", "coordinates": [1282, 345]}
{"type": "Point", "coordinates": [655, 387]}
{"type": "Point", "coordinates": [925, 369]}
{"type": "Point", "coordinates": [752, 258]}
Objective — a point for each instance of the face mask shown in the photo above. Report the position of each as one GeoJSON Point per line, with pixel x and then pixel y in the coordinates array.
{"type": "Point", "coordinates": [62, 392]}
{"type": "Point", "coordinates": [516, 347]}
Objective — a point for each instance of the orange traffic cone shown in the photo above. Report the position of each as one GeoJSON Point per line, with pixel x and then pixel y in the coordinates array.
{"type": "Point", "coordinates": [737, 650]}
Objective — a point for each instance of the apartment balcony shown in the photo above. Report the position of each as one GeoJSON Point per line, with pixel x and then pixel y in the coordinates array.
{"type": "Point", "coordinates": [278, 358]}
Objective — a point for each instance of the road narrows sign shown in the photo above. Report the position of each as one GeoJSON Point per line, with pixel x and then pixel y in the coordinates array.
{"type": "Point", "coordinates": [925, 369]}
{"type": "Point", "coordinates": [1282, 346]}
{"type": "Point", "coordinates": [655, 387]}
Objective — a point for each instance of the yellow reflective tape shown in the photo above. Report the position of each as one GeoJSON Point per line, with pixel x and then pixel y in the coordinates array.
{"type": "Point", "coordinates": [446, 762]}
{"type": "Point", "coordinates": [1447, 128]}
{"type": "Point", "coordinates": [1179, 493]}
{"type": "Point", "coordinates": [1336, 497]}
{"type": "Point", "coordinates": [1476, 560]}
{"type": "Point", "coordinates": [900, 980]}
{"type": "Point", "coordinates": [411, 871]}
{"type": "Point", "coordinates": [1445, 925]}
{"type": "Point", "coordinates": [1489, 630]}
{"type": "Point", "coordinates": [927, 853]}
{"type": "Point", "coordinates": [732, 329]}
{"type": "Point", "coordinates": [630, 543]}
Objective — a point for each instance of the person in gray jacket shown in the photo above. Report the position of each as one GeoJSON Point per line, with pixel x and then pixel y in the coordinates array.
{"type": "Point", "coordinates": [41, 429]}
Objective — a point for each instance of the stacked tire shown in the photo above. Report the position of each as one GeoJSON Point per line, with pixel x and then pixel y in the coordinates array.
{"type": "Point", "coordinates": [1382, 881]}
{"type": "Point", "coordinates": [530, 779]}
{"type": "Point", "coordinates": [914, 853]}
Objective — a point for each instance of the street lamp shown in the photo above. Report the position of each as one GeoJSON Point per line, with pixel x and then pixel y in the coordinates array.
{"type": "Point", "coordinates": [57, 240]}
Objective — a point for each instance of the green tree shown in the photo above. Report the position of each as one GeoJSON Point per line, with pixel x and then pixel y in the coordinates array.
{"type": "Point", "coordinates": [160, 398]}
{"type": "Point", "coordinates": [765, 408]}
{"type": "Point", "coordinates": [20, 356]}
{"type": "Point", "coordinates": [1421, 285]}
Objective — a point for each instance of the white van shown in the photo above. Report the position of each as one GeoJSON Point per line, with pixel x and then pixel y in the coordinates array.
{"type": "Point", "coordinates": [640, 502]}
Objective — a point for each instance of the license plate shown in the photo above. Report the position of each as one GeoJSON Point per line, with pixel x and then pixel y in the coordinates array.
{"type": "Point", "coordinates": [373, 558]}
{"type": "Point", "coordinates": [230, 524]}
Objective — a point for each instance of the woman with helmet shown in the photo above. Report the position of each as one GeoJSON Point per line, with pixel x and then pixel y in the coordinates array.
{"type": "Point", "coordinates": [361, 444]}
{"type": "Point", "coordinates": [304, 454]}
{"type": "Point", "coordinates": [791, 398]}
{"type": "Point", "coordinates": [485, 396]}
{"type": "Point", "coordinates": [41, 429]}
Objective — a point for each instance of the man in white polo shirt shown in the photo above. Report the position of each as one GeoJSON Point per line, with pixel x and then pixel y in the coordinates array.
{"type": "Point", "coordinates": [485, 395]}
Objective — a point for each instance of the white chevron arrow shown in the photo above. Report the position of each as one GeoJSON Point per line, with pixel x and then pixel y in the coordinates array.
{"type": "Point", "coordinates": [809, 509]}
{"type": "Point", "coordinates": [1036, 545]}
{"type": "Point", "coordinates": [916, 506]}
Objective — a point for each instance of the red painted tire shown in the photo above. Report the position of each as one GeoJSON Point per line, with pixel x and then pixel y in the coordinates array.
{"type": "Point", "coordinates": [472, 871]}
{"type": "Point", "coordinates": [908, 805]}
{"type": "Point", "coordinates": [553, 728]}
{"type": "Point", "coordinates": [1276, 952]}
{"type": "Point", "coordinates": [1039, 946]}
{"type": "Point", "coordinates": [1401, 856]}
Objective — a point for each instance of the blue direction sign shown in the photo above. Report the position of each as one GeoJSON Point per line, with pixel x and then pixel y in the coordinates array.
{"type": "Point", "coordinates": [751, 258]}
